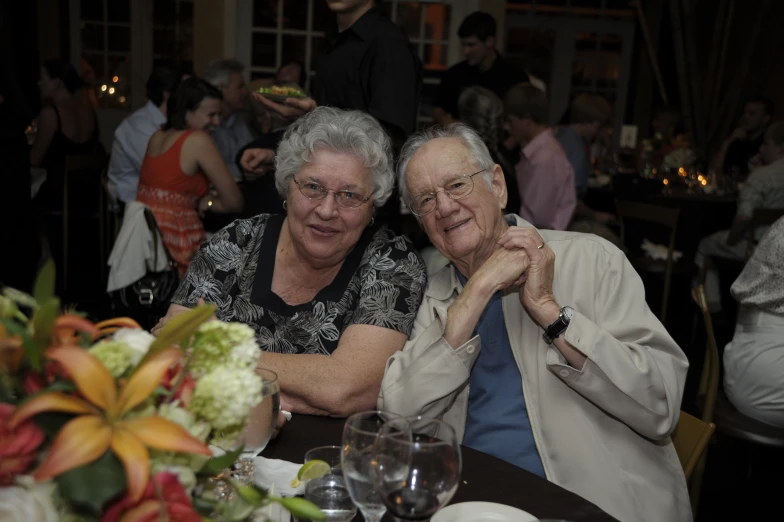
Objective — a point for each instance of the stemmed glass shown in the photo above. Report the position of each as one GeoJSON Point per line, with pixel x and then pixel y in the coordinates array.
{"type": "Point", "coordinates": [359, 434]}
{"type": "Point", "coordinates": [263, 417]}
{"type": "Point", "coordinates": [416, 477]}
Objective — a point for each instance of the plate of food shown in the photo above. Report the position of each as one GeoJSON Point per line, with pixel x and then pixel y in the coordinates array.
{"type": "Point", "coordinates": [482, 512]}
{"type": "Point", "coordinates": [279, 93]}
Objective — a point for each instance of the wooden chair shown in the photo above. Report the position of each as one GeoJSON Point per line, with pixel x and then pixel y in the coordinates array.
{"type": "Point", "coordinates": [690, 439]}
{"type": "Point", "coordinates": [709, 379]}
{"type": "Point", "coordinates": [763, 217]}
{"type": "Point", "coordinates": [663, 216]}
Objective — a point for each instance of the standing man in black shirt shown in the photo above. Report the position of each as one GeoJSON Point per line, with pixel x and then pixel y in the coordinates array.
{"type": "Point", "coordinates": [745, 141]}
{"type": "Point", "coordinates": [370, 66]}
{"type": "Point", "coordinates": [482, 66]}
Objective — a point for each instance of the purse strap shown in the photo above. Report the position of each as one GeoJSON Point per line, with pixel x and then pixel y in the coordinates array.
{"type": "Point", "coordinates": [152, 224]}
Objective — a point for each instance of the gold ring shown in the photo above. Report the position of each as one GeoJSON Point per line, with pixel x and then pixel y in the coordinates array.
{"type": "Point", "coordinates": [540, 246]}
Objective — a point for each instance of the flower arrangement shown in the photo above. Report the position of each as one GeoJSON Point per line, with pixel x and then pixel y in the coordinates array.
{"type": "Point", "coordinates": [104, 422]}
{"type": "Point", "coordinates": [673, 153]}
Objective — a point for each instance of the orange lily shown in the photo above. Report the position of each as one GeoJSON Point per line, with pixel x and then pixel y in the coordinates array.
{"type": "Point", "coordinates": [100, 424]}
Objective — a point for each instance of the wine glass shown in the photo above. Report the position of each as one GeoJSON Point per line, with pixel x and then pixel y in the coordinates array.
{"type": "Point", "coordinates": [263, 417]}
{"type": "Point", "coordinates": [359, 434]}
{"type": "Point", "coordinates": [416, 477]}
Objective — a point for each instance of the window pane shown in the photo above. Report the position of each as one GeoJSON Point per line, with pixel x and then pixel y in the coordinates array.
{"type": "Point", "coordinates": [119, 38]}
{"type": "Point", "coordinates": [92, 37]}
{"type": "Point", "coordinates": [435, 57]}
{"type": "Point", "coordinates": [437, 21]}
{"type": "Point", "coordinates": [295, 14]}
{"type": "Point", "coordinates": [293, 48]}
{"type": "Point", "coordinates": [91, 9]}
{"type": "Point", "coordinates": [323, 18]}
{"type": "Point", "coordinates": [583, 73]}
{"type": "Point", "coordinates": [164, 13]}
{"type": "Point", "coordinates": [265, 13]}
{"type": "Point", "coordinates": [93, 63]}
{"type": "Point", "coordinates": [119, 69]}
{"type": "Point", "coordinates": [263, 51]}
{"type": "Point", "coordinates": [119, 10]}
{"type": "Point", "coordinates": [408, 17]}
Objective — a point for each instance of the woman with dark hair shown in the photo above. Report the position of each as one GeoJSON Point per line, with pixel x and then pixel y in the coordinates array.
{"type": "Point", "coordinates": [66, 127]}
{"type": "Point", "coordinates": [180, 165]}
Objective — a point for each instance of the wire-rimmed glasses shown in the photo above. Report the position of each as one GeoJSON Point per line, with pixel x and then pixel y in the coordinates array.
{"type": "Point", "coordinates": [344, 198]}
{"type": "Point", "coordinates": [456, 188]}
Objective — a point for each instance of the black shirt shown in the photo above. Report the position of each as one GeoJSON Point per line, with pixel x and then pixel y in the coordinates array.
{"type": "Point", "coordinates": [380, 283]}
{"type": "Point", "coordinates": [498, 78]}
{"type": "Point", "coordinates": [371, 67]}
{"type": "Point", "coordinates": [739, 153]}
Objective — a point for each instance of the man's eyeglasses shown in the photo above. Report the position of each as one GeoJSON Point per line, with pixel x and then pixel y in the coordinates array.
{"type": "Point", "coordinates": [457, 188]}
{"type": "Point", "coordinates": [344, 198]}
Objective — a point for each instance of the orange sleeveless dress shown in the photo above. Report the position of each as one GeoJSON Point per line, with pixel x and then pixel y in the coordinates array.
{"type": "Point", "coordinates": [173, 196]}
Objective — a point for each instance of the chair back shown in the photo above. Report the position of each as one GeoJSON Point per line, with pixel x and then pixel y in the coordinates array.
{"type": "Point", "coordinates": [763, 217]}
{"type": "Point", "coordinates": [690, 439]}
{"type": "Point", "coordinates": [663, 216]}
{"type": "Point", "coordinates": [709, 380]}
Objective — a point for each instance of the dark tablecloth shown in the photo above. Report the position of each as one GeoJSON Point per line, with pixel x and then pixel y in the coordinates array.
{"type": "Point", "coordinates": [484, 478]}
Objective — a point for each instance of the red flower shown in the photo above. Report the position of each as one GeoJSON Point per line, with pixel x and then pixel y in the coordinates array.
{"type": "Point", "coordinates": [18, 446]}
{"type": "Point", "coordinates": [185, 390]}
{"type": "Point", "coordinates": [164, 494]}
{"type": "Point", "coordinates": [36, 381]}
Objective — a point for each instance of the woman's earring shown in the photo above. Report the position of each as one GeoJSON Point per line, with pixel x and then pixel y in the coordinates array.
{"type": "Point", "coordinates": [372, 221]}
{"type": "Point", "coordinates": [284, 204]}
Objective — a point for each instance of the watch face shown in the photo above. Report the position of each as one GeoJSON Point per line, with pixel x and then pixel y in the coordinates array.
{"type": "Point", "coordinates": [568, 312]}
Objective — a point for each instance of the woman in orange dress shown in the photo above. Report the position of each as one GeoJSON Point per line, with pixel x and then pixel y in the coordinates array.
{"type": "Point", "coordinates": [180, 165]}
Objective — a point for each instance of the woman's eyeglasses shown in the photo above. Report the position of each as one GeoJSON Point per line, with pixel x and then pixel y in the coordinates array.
{"type": "Point", "coordinates": [344, 198]}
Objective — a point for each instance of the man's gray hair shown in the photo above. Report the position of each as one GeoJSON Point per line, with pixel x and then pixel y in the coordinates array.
{"type": "Point", "coordinates": [218, 72]}
{"type": "Point", "coordinates": [350, 132]}
{"type": "Point", "coordinates": [477, 150]}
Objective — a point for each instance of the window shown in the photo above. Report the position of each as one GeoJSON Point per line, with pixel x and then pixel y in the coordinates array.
{"type": "Point", "coordinates": [105, 36]}
{"type": "Point", "coordinates": [581, 8]}
{"type": "Point", "coordinates": [281, 32]}
{"type": "Point", "coordinates": [172, 37]}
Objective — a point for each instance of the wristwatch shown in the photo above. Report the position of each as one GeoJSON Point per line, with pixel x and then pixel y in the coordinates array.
{"type": "Point", "coordinates": [560, 325]}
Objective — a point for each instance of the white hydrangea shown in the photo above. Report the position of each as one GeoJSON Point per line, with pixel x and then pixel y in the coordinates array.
{"type": "Point", "coordinates": [225, 396]}
{"type": "Point", "coordinates": [219, 344]}
{"type": "Point", "coordinates": [137, 339]}
{"type": "Point", "coordinates": [27, 501]}
{"type": "Point", "coordinates": [186, 420]}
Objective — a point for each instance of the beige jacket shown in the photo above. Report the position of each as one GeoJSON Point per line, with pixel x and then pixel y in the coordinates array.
{"type": "Point", "coordinates": [602, 432]}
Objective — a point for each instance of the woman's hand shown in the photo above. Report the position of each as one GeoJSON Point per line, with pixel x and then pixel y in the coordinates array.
{"type": "Point", "coordinates": [173, 311]}
{"type": "Point", "coordinates": [536, 292]}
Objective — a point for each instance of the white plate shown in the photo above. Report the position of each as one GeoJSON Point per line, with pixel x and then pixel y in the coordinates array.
{"type": "Point", "coordinates": [482, 512]}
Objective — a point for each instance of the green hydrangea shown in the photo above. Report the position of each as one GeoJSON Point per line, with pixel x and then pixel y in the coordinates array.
{"type": "Point", "coordinates": [185, 419]}
{"type": "Point", "coordinates": [228, 438]}
{"type": "Point", "coordinates": [223, 344]}
{"type": "Point", "coordinates": [225, 396]}
{"type": "Point", "coordinates": [116, 356]}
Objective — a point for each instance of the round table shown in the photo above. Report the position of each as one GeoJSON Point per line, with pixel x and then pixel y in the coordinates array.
{"type": "Point", "coordinates": [484, 478]}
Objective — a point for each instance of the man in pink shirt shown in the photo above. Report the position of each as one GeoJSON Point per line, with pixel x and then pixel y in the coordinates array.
{"type": "Point", "coordinates": [545, 177]}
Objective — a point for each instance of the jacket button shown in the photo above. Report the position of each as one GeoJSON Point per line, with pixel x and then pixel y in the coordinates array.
{"type": "Point", "coordinates": [564, 373]}
{"type": "Point", "coordinates": [470, 349]}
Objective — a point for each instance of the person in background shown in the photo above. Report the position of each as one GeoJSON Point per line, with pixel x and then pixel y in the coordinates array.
{"type": "Point", "coordinates": [292, 73]}
{"type": "Point", "coordinates": [133, 134]}
{"type": "Point", "coordinates": [545, 177]}
{"type": "Point", "coordinates": [232, 132]}
{"type": "Point", "coordinates": [666, 123]}
{"type": "Point", "coordinates": [482, 66]}
{"type": "Point", "coordinates": [329, 295]}
{"type": "Point", "coordinates": [745, 141]}
{"type": "Point", "coordinates": [754, 359]}
{"type": "Point", "coordinates": [537, 346]}
{"type": "Point", "coordinates": [763, 189]}
{"type": "Point", "coordinates": [180, 165]}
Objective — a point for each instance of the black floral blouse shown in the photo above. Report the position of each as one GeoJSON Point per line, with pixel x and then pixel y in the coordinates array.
{"type": "Point", "coordinates": [380, 283]}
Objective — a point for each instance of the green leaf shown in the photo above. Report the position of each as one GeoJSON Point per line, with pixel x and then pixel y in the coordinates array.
{"type": "Point", "coordinates": [43, 321]}
{"type": "Point", "coordinates": [181, 327]}
{"type": "Point", "coordinates": [203, 506]}
{"type": "Point", "coordinates": [236, 510]}
{"type": "Point", "coordinates": [32, 351]}
{"type": "Point", "coordinates": [250, 493]}
{"type": "Point", "coordinates": [43, 289]}
{"type": "Point", "coordinates": [20, 298]}
{"type": "Point", "coordinates": [51, 423]}
{"type": "Point", "coordinates": [93, 484]}
{"type": "Point", "coordinates": [300, 508]}
{"type": "Point", "coordinates": [217, 464]}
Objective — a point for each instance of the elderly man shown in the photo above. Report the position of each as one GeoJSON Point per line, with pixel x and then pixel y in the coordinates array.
{"type": "Point", "coordinates": [537, 345]}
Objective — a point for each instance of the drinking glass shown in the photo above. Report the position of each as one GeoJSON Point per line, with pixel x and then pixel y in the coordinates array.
{"type": "Point", "coordinates": [359, 434]}
{"type": "Point", "coordinates": [329, 492]}
{"type": "Point", "coordinates": [416, 477]}
{"type": "Point", "coordinates": [263, 417]}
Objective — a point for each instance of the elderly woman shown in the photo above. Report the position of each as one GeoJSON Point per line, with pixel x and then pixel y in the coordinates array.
{"type": "Point", "coordinates": [537, 345]}
{"type": "Point", "coordinates": [330, 297]}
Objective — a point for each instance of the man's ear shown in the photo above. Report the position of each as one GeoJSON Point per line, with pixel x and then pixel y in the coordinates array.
{"type": "Point", "coordinates": [499, 185]}
{"type": "Point", "coordinates": [490, 42]}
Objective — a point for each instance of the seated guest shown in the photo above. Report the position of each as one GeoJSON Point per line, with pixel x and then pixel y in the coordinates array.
{"type": "Point", "coordinates": [745, 141]}
{"type": "Point", "coordinates": [329, 296]}
{"type": "Point", "coordinates": [180, 165]}
{"type": "Point", "coordinates": [754, 359]}
{"type": "Point", "coordinates": [483, 66]}
{"type": "Point", "coordinates": [133, 134]}
{"type": "Point", "coordinates": [66, 126]}
{"type": "Point", "coordinates": [545, 178]}
{"type": "Point", "coordinates": [763, 189]}
{"type": "Point", "coordinates": [537, 346]}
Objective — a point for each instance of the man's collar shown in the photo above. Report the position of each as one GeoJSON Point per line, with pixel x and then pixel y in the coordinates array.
{"type": "Point", "coordinates": [362, 27]}
{"type": "Point", "coordinates": [156, 115]}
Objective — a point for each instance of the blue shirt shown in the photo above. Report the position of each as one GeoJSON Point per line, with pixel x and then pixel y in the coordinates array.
{"type": "Point", "coordinates": [497, 422]}
{"type": "Point", "coordinates": [574, 147]}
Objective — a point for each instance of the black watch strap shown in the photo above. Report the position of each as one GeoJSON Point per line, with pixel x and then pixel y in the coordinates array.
{"type": "Point", "coordinates": [559, 326]}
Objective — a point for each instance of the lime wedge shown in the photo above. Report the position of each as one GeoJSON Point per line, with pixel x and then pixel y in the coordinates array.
{"type": "Point", "coordinates": [312, 469]}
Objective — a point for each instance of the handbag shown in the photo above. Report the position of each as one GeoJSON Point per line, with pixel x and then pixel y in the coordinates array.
{"type": "Point", "coordinates": [147, 300]}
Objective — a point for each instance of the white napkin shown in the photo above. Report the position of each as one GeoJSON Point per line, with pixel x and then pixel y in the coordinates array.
{"type": "Point", "coordinates": [658, 252]}
{"type": "Point", "coordinates": [273, 512]}
{"type": "Point", "coordinates": [279, 473]}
